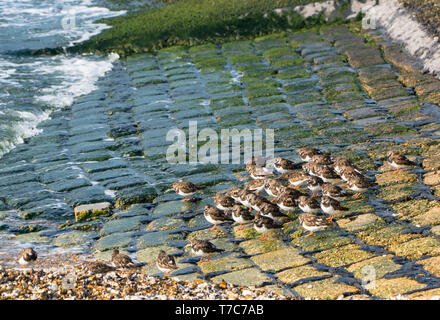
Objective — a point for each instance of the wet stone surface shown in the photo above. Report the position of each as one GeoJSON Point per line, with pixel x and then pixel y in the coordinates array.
{"type": "Point", "coordinates": [330, 89]}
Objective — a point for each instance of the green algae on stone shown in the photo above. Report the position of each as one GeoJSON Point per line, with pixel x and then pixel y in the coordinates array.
{"type": "Point", "coordinates": [229, 263]}
{"type": "Point", "coordinates": [379, 265]}
{"type": "Point", "coordinates": [327, 289]}
{"type": "Point", "coordinates": [389, 288]}
{"type": "Point", "coordinates": [396, 192]}
{"type": "Point", "coordinates": [342, 256]}
{"type": "Point", "coordinates": [114, 241]}
{"type": "Point", "coordinates": [74, 238]}
{"type": "Point", "coordinates": [256, 246]}
{"type": "Point", "coordinates": [91, 211]}
{"type": "Point", "coordinates": [165, 223]}
{"type": "Point", "coordinates": [280, 259]}
{"type": "Point", "coordinates": [126, 197]}
{"type": "Point", "coordinates": [322, 240]}
{"type": "Point", "coordinates": [360, 222]}
{"type": "Point", "coordinates": [413, 208]}
{"type": "Point", "coordinates": [417, 248]}
{"type": "Point", "coordinates": [386, 236]}
{"type": "Point", "coordinates": [430, 218]}
{"type": "Point", "coordinates": [250, 277]}
{"type": "Point", "coordinates": [122, 225]}
{"type": "Point", "coordinates": [391, 177]}
{"type": "Point", "coordinates": [36, 237]}
{"type": "Point", "coordinates": [300, 273]}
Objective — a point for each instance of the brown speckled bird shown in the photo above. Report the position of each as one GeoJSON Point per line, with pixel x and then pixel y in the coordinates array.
{"type": "Point", "coordinates": [308, 204]}
{"type": "Point", "coordinates": [202, 248]}
{"type": "Point", "coordinates": [241, 215]}
{"type": "Point", "coordinates": [120, 260]}
{"type": "Point", "coordinates": [98, 267]}
{"type": "Point", "coordinates": [263, 224]}
{"type": "Point", "coordinates": [306, 154]}
{"type": "Point", "coordinates": [255, 186]}
{"type": "Point", "coordinates": [331, 207]}
{"type": "Point", "coordinates": [322, 159]}
{"type": "Point", "coordinates": [166, 263]}
{"type": "Point", "coordinates": [399, 161]}
{"type": "Point", "coordinates": [215, 216]}
{"type": "Point", "coordinates": [257, 172]}
{"type": "Point", "coordinates": [223, 202]}
{"type": "Point", "coordinates": [312, 222]}
{"type": "Point", "coordinates": [284, 166]}
{"type": "Point", "coordinates": [297, 178]}
{"type": "Point", "coordinates": [359, 184]}
{"type": "Point", "coordinates": [335, 192]}
{"type": "Point", "coordinates": [27, 256]}
{"type": "Point", "coordinates": [186, 189]}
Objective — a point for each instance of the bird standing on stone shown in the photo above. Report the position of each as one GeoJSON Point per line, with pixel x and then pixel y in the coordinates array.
{"type": "Point", "coordinates": [399, 161]}
{"type": "Point", "coordinates": [264, 224]}
{"type": "Point", "coordinates": [202, 248]}
{"type": "Point", "coordinates": [284, 166]}
{"type": "Point", "coordinates": [215, 216]}
{"type": "Point", "coordinates": [312, 223]}
{"type": "Point", "coordinates": [241, 215]}
{"type": "Point", "coordinates": [121, 260]}
{"type": "Point", "coordinates": [359, 184]}
{"type": "Point", "coordinates": [306, 154]}
{"type": "Point", "coordinates": [257, 172]}
{"type": "Point", "coordinates": [186, 189]}
{"type": "Point", "coordinates": [314, 184]}
{"type": "Point", "coordinates": [223, 202]}
{"type": "Point", "coordinates": [334, 192]}
{"type": "Point", "coordinates": [297, 178]}
{"type": "Point", "coordinates": [308, 204]}
{"type": "Point", "coordinates": [27, 256]}
{"type": "Point", "coordinates": [165, 263]}
{"type": "Point", "coordinates": [331, 207]}
{"type": "Point", "coordinates": [255, 186]}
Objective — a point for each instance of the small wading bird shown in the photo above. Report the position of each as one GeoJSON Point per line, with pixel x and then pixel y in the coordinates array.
{"type": "Point", "coordinates": [255, 186]}
{"type": "Point", "coordinates": [202, 248]}
{"type": "Point", "coordinates": [306, 154]}
{"type": "Point", "coordinates": [399, 161]}
{"type": "Point", "coordinates": [359, 184]}
{"type": "Point", "coordinates": [241, 215]}
{"type": "Point", "coordinates": [331, 207]}
{"type": "Point", "coordinates": [223, 202]}
{"type": "Point", "coordinates": [264, 224]}
{"type": "Point", "coordinates": [186, 189]}
{"type": "Point", "coordinates": [215, 216]}
{"type": "Point", "coordinates": [284, 166]}
{"type": "Point", "coordinates": [312, 223]}
{"type": "Point", "coordinates": [27, 256]}
{"type": "Point", "coordinates": [121, 260]}
{"type": "Point", "coordinates": [165, 263]}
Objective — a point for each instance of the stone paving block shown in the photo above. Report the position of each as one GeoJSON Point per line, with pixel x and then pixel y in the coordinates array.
{"type": "Point", "coordinates": [374, 268]}
{"type": "Point", "coordinates": [251, 277]}
{"type": "Point", "coordinates": [342, 256]}
{"type": "Point", "coordinates": [430, 218]}
{"type": "Point", "coordinates": [387, 235]}
{"type": "Point", "coordinates": [390, 288]}
{"type": "Point", "coordinates": [433, 294]}
{"type": "Point", "coordinates": [114, 241]}
{"type": "Point", "coordinates": [256, 246]}
{"type": "Point", "coordinates": [93, 210]}
{"type": "Point", "coordinates": [417, 248]}
{"type": "Point", "coordinates": [360, 222]}
{"type": "Point", "coordinates": [122, 225]}
{"type": "Point", "coordinates": [279, 259]}
{"type": "Point", "coordinates": [230, 262]}
{"type": "Point", "coordinates": [431, 265]}
{"type": "Point", "coordinates": [325, 289]}
{"type": "Point", "coordinates": [299, 274]}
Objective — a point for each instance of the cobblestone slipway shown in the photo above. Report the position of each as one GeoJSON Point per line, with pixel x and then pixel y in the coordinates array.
{"type": "Point", "coordinates": [330, 89]}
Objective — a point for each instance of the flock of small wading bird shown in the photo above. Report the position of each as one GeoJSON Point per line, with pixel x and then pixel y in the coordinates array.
{"type": "Point", "coordinates": [320, 172]}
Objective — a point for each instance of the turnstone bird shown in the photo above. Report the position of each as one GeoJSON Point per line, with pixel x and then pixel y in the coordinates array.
{"type": "Point", "coordinates": [165, 263]}
{"type": "Point", "coordinates": [98, 267]}
{"type": "Point", "coordinates": [359, 184]}
{"type": "Point", "coordinates": [348, 172]}
{"type": "Point", "coordinates": [284, 166]}
{"type": "Point", "coordinates": [339, 163]}
{"type": "Point", "coordinates": [334, 192]}
{"type": "Point", "coordinates": [271, 210]}
{"type": "Point", "coordinates": [202, 248]}
{"type": "Point", "coordinates": [255, 186]}
{"type": "Point", "coordinates": [290, 191]}
{"type": "Point", "coordinates": [306, 154]}
{"type": "Point", "coordinates": [331, 207]}
{"type": "Point", "coordinates": [271, 186]}
{"type": "Point", "coordinates": [259, 161]}
{"type": "Point", "coordinates": [312, 223]}
{"type": "Point", "coordinates": [235, 193]}
{"type": "Point", "coordinates": [257, 172]}
{"type": "Point", "coordinates": [322, 159]}
{"type": "Point", "coordinates": [264, 224]}
{"type": "Point", "coordinates": [186, 189]}
{"type": "Point", "coordinates": [327, 174]}
{"type": "Point", "coordinates": [223, 202]}
{"type": "Point", "coordinates": [241, 215]}
{"type": "Point", "coordinates": [27, 256]}
{"type": "Point", "coordinates": [286, 202]}
{"type": "Point", "coordinates": [312, 168]}
{"type": "Point", "coordinates": [215, 216]}
{"type": "Point", "coordinates": [399, 161]}
{"type": "Point", "coordinates": [314, 184]}
{"type": "Point", "coordinates": [308, 204]}
{"type": "Point", "coordinates": [297, 178]}
{"type": "Point", "coordinates": [121, 260]}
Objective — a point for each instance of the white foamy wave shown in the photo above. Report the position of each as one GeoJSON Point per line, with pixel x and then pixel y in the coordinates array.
{"type": "Point", "coordinates": [402, 27]}
{"type": "Point", "coordinates": [77, 76]}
